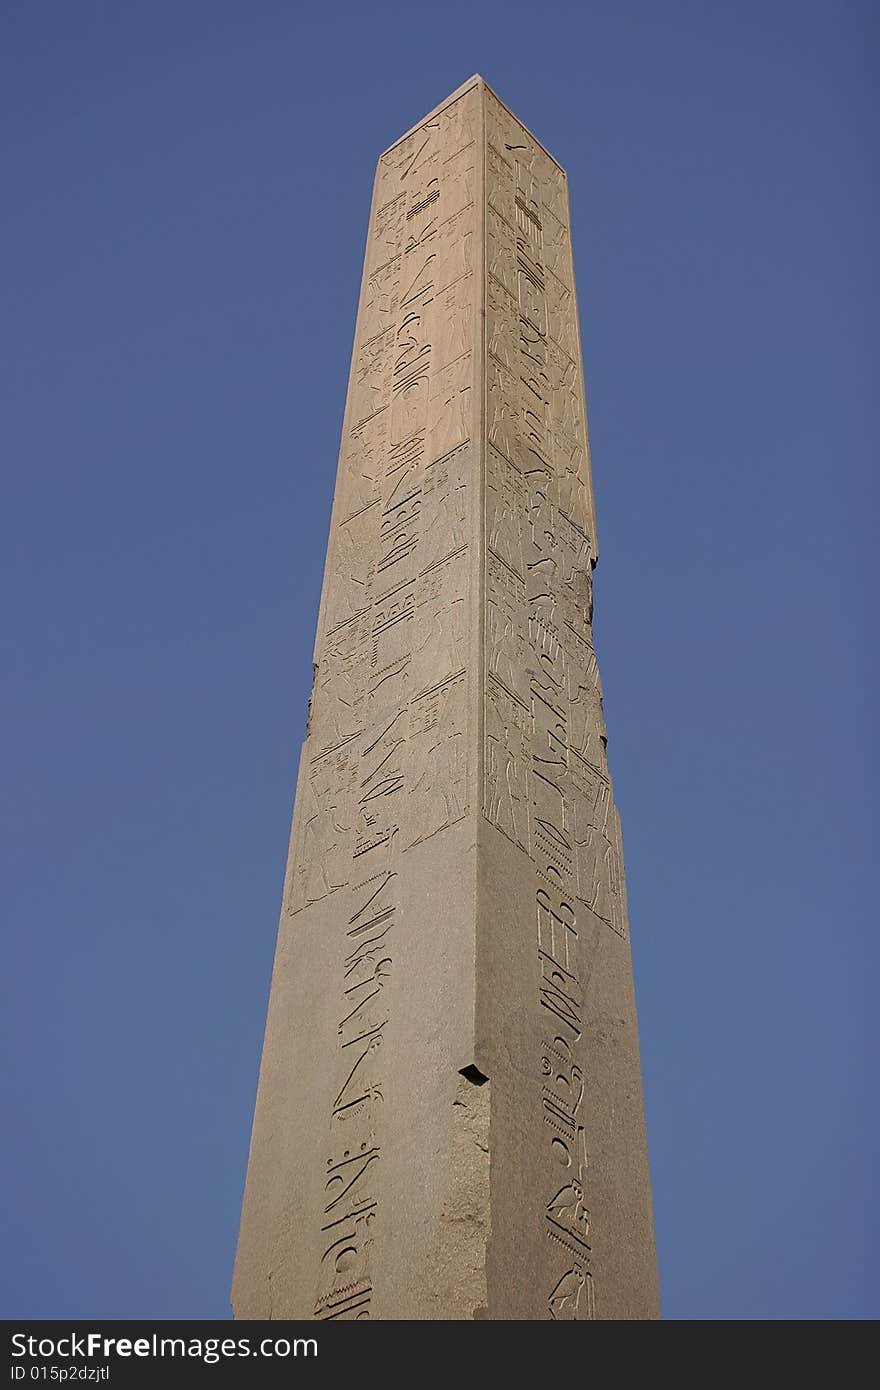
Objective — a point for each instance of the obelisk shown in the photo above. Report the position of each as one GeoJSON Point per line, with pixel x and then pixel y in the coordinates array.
{"type": "Point", "coordinates": [449, 1120]}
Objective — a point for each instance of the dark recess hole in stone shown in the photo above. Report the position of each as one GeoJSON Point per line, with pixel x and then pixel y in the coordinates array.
{"type": "Point", "coordinates": [473, 1074]}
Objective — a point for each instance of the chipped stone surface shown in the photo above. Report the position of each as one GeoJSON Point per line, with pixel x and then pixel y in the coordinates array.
{"type": "Point", "coordinates": [454, 904]}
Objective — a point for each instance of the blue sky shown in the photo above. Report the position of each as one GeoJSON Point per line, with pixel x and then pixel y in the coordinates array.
{"type": "Point", "coordinates": [186, 190]}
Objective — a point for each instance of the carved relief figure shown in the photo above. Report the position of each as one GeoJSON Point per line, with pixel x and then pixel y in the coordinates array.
{"type": "Point", "coordinates": [501, 342]}
{"type": "Point", "coordinates": [380, 301]}
{"type": "Point", "coordinates": [450, 405]}
{"type": "Point", "coordinates": [502, 412]}
{"type": "Point", "coordinates": [335, 713]}
{"type": "Point", "coordinates": [501, 252]}
{"type": "Point", "coordinates": [587, 728]}
{"type": "Point", "coordinates": [504, 506]}
{"type": "Point", "coordinates": [438, 795]}
{"type": "Point", "coordinates": [453, 250]}
{"type": "Point", "coordinates": [453, 321]}
{"type": "Point", "coordinates": [505, 802]}
{"type": "Point", "coordinates": [364, 458]}
{"type": "Point", "coordinates": [574, 497]}
{"type": "Point", "coordinates": [557, 249]}
{"type": "Point", "coordinates": [443, 634]}
{"type": "Point", "coordinates": [370, 386]}
{"type": "Point", "coordinates": [458, 182]}
{"type": "Point", "coordinates": [321, 864]}
{"type": "Point", "coordinates": [445, 504]}
{"type": "Point", "coordinates": [352, 560]}
{"type": "Point", "coordinates": [561, 322]}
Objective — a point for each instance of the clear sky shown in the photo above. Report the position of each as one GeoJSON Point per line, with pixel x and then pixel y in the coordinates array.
{"type": "Point", "coordinates": [186, 189]}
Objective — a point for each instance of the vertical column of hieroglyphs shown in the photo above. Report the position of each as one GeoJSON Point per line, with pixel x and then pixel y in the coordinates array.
{"type": "Point", "coordinates": [546, 780]}
{"type": "Point", "coordinates": [385, 765]}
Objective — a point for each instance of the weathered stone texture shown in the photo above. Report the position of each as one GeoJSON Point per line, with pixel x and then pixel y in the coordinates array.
{"type": "Point", "coordinates": [454, 906]}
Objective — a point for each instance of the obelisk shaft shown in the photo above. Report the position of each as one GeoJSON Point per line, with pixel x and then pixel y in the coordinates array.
{"type": "Point", "coordinates": [449, 1119]}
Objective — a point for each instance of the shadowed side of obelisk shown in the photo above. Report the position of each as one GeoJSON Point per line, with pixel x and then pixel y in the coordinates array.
{"type": "Point", "coordinates": [556, 1015]}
